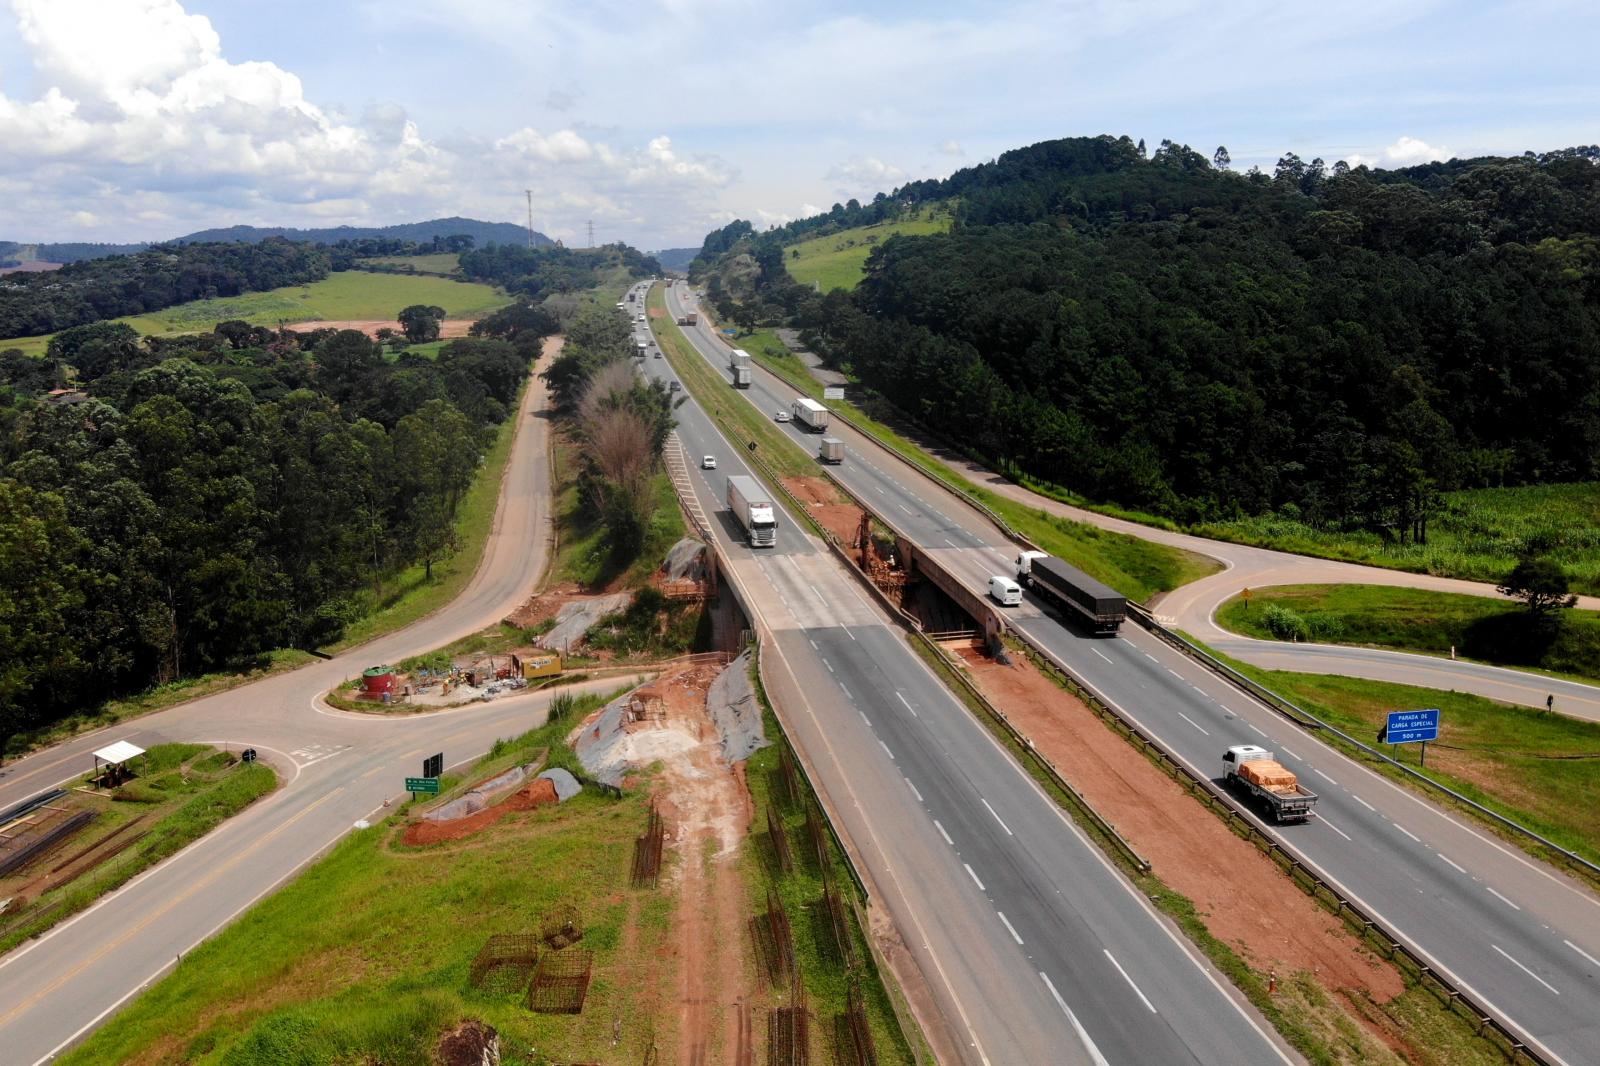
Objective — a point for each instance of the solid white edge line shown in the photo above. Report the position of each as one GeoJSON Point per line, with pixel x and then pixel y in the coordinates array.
{"type": "Point", "coordinates": [997, 818]}
{"type": "Point", "coordinates": [1525, 970]}
{"type": "Point", "coordinates": [1140, 992]}
{"type": "Point", "coordinates": [1009, 927]}
{"type": "Point", "coordinates": [1077, 1026]}
{"type": "Point", "coordinates": [940, 827]}
{"type": "Point", "coordinates": [974, 878]}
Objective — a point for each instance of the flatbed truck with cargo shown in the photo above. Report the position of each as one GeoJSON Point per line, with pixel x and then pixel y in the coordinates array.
{"type": "Point", "coordinates": [1257, 772]}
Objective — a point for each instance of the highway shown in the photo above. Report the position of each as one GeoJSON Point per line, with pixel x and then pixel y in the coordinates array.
{"type": "Point", "coordinates": [1520, 936]}
{"type": "Point", "coordinates": [337, 768]}
{"type": "Point", "coordinates": [1192, 608]}
{"type": "Point", "coordinates": [1034, 949]}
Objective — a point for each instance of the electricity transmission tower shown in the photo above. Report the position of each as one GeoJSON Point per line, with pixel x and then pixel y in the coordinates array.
{"type": "Point", "coordinates": [530, 218]}
{"type": "Point", "coordinates": [591, 233]}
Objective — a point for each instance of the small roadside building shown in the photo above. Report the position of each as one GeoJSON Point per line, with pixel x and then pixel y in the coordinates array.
{"type": "Point", "coordinates": [111, 763]}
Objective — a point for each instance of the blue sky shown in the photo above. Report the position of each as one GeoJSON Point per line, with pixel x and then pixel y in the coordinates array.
{"type": "Point", "coordinates": [660, 119]}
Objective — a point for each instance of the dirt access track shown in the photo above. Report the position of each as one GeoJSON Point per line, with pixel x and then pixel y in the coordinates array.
{"type": "Point", "coordinates": [449, 329]}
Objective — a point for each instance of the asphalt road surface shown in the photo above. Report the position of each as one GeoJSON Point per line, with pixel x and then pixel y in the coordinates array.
{"type": "Point", "coordinates": [337, 768]}
{"type": "Point", "coordinates": [1034, 948]}
{"type": "Point", "coordinates": [1522, 937]}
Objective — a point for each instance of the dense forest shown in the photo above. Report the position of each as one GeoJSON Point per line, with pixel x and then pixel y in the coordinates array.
{"type": "Point", "coordinates": [1164, 333]}
{"type": "Point", "coordinates": [540, 272]}
{"type": "Point", "coordinates": [207, 498]}
{"type": "Point", "coordinates": [80, 293]}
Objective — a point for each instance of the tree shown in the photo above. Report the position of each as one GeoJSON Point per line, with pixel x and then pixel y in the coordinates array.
{"type": "Point", "coordinates": [1541, 584]}
{"type": "Point", "coordinates": [96, 349]}
{"type": "Point", "coordinates": [1220, 159]}
{"type": "Point", "coordinates": [420, 322]}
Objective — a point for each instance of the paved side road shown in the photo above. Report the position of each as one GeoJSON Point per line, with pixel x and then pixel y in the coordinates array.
{"type": "Point", "coordinates": [337, 768]}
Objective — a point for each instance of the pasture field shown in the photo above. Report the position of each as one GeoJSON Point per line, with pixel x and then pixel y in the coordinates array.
{"type": "Point", "coordinates": [344, 296]}
{"type": "Point", "coordinates": [436, 263]}
{"type": "Point", "coordinates": [838, 260]}
{"type": "Point", "coordinates": [1478, 536]}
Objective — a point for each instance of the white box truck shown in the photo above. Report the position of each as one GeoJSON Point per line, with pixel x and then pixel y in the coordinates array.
{"type": "Point", "coordinates": [832, 450]}
{"type": "Point", "coordinates": [810, 414]}
{"type": "Point", "coordinates": [738, 357]}
{"type": "Point", "coordinates": [741, 377]}
{"type": "Point", "coordinates": [752, 506]}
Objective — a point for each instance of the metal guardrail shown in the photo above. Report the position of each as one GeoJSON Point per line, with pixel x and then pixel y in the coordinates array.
{"type": "Point", "coordinates": [1306, 720]}
{"type": "Point", "coordinates": [1505, 1036]}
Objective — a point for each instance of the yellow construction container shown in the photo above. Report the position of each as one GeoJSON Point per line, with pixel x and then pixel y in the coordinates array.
{"type": "Point", "coordinates": [541, 664]}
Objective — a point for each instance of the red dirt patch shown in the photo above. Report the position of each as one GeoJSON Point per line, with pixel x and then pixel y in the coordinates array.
{"type": "Point", "coordinates": [827, 505]}
{"type": "Point", "coordinates": [537, 793]}
{"type": "Point", "coordinates": [1245, 899]}
{"type": "Point", "coordinates": [657, 312]}
{"type": "Point", "coordinates": [449, 329]}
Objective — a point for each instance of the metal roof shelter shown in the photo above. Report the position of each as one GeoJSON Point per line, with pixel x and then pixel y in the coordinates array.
{"type": "Point", "coordinates": [116, 757]}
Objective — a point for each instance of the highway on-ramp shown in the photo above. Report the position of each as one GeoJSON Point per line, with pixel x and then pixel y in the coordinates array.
{"type": "Point", "coordinates": [1521, 936]}
{"type": "Point", "coordinates": [337, 768]}
{"type": "Point", "coordinates": [1034, 948]}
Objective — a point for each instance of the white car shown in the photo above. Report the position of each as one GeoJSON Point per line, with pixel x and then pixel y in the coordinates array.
{"type": "Point", "coordinates": [708, 462]}
{"type": "Point", "coordinates": [780, 416]}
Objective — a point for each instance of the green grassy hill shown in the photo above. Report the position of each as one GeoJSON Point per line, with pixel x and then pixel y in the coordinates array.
{"type": "Point", "coordinates": [347, 295]}
{"type": "Point", "coordinates": [837, 261]}
{"type": "Point", "coordinates": [435, 263]}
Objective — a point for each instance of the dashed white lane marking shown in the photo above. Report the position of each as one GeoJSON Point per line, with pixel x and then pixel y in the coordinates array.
{"type": "Point", "coordinates": [1147, 655]}
{"type": "Point", "coordinates": [886, 750]}
{"type": "Point", "coordinates": [1291, 754]}
{"type": "Point", "coordinates": [1077, 1026]}
{"type": "Point", "coordinates": [942, 833]}
{"type": "Point", "coordinates": [914, 791]}
{"type": "Point", "coordinates": [997, 818]}
{"type": "Point", "coordinates": [813, 644]}
{"type": "Point", "coordinates": [1408, 832]}
{"type": "Point", "coordinates": [1174, 673]}
{"type": "Point", "coordinates": [1142, 997]}
{"type": "Point", "coordinates": [903, 507]}
{"type": "Point", "coordinates": [952, 543]}
{"type": "Point", "coordinates": [1254, 730]}
{"type": "Point", "coordinates": [1335, 828]}
{"type": "Point", "coordinates": [1324, 776]}
{"type": "Point", "coordinates": [828, 665]}
{"type": "Point", "coordinates": [974, 878]}
{"type": "Point", "coordinates": [1194, 723]}
{"type": "Point", "coordinates": [908, 706]}
{"type": "Point", "coordinates": [1580, 951]}
{"type": "Point", "coordinates": [865, 720]}
{"type": "Point", "coordinates": [1009, 927]}
{"type": "Point", "coordinates": [1451, 861]}
{"type": "Point", "coordinates": [1502, 899]}
{"type": "Point", "coordinates": [1525, 970]}
{"type": "Point", "coordinates": [847, 694]}
{"type": "Point", "coordinates": [1363, 803]}
{"type": "Point", "coordinates": [1102, 654]}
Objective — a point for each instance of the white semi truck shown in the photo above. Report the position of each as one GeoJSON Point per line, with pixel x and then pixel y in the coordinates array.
{"type": "Point", "coordinates": [810, 414]}
{"type": "Point", "coordinates": [752, 506]}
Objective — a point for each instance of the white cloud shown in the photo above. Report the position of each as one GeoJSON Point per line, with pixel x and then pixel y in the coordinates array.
{"type": "Point", "coordinates": [1409, 152]}
{"type": "Point", "coordinates": [139, 116]}
{"type": "Point", "coordinates": [866, 175]}
{"type": "Point", "coordinates": [950, 148]}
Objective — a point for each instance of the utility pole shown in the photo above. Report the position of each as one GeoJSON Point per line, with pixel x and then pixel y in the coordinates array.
{"type": "Point", "coordinates": [530, 218]}
{"type": "Point", "coordinates": [591, 233]}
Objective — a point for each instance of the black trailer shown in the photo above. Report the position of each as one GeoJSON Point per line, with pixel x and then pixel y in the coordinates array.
{"type": "Point", "coordinates": [1099, 605]}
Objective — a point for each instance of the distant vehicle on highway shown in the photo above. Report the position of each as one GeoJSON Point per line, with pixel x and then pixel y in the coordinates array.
{"type": "Point", "coordinates": [674, 386]}
{"type": "Point", "coordinates": [1274, 786]}
{"type": "Point", "coordinates": [1004, 591]}
{"type": "Point", "coordinates": [780, 416]}
{"type": "Point", "coordinates": [811, 414]}
{"type": "Point", "coordinates": [708, 462]}
{"type": "Point", "coordinates": [832, 450]}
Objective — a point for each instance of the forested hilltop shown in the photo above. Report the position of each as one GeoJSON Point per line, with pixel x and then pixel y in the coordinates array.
{"type": "Point", "coordinates": [207, 498]}
{"type": "Point", "coordinates": [1164, 333]}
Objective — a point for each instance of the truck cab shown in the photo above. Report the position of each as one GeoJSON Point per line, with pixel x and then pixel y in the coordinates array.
{"type": "Point", "coordinates": [1025, 564]}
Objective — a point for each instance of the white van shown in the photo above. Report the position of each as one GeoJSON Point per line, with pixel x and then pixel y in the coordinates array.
{"type": "Point", "coordinates": [1004, 591]}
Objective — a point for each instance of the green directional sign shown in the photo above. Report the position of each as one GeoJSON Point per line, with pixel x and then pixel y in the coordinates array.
{"type": "Point", "coordinates": [422, 784]}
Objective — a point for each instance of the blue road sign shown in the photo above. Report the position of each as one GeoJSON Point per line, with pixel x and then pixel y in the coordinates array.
{"type": "Point", "coordinates": [1408, 727]}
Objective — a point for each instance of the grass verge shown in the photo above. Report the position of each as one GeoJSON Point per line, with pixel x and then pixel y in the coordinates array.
{"type": "Point", "coordinates": [1539, 769]}
{"type": "Point", "coordinates": [184, 792]}
{"type": "Point", "coordinates": [583, 548]}
{"type": "Point", "coordinates": [825, 974]}
{"type": "Point", "coordinates": [1418, 620]}
{"type": "Point", "coordinates": [365, 956]}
